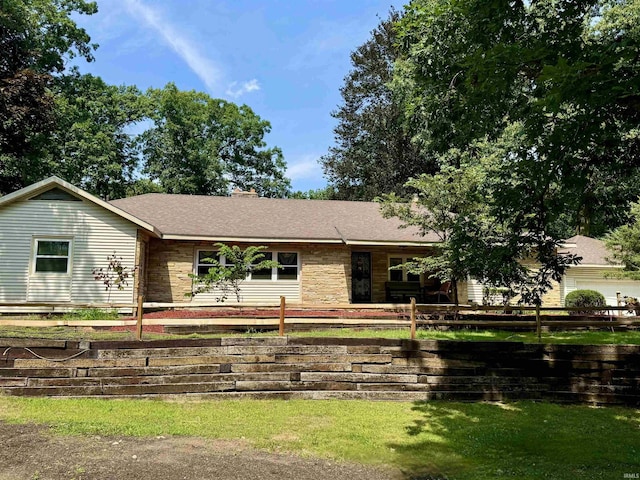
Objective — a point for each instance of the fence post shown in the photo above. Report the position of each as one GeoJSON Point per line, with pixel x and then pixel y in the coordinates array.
{"type": "Point", "coordinates": [282, 306]}
{"type": "Point", "coordinates": [413, 318]}
{"type": "Point", "coordinates": [619, 299]}
{"type": "Point", "coordinates": [140, 312]}
{"type": "Point", "coordinates": [538, 324]}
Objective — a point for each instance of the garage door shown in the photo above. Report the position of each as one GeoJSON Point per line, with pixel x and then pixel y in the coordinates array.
{"type": "Point", "coordinates": [609, 288]}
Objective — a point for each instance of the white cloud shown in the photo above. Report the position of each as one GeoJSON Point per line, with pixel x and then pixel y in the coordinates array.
{"type": "Point", "coordinates": [203, 67]}
{"type": "Point", "coordinates": [305, 168]}
{"type": "Point", "coordinates": [235, 91]}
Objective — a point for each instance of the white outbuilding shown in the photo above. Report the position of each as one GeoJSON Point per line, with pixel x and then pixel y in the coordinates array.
{"type": "Point", "coordinates": [595, 272]}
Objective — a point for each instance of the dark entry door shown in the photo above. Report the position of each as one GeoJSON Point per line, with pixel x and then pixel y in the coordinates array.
{"type": "Point", "coordinates": [360, 277]}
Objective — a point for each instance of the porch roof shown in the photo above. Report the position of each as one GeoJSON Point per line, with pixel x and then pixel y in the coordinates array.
{"type": "Point", "coordinates": [195, 217]}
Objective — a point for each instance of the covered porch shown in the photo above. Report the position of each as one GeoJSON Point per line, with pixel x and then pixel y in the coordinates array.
{"type": "Point", "coordinates": [373, 280]}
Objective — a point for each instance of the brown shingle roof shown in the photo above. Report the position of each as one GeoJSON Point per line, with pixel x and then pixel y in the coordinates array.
{"type": "Point", "coordinates": [268, 218]}
{"type": "Point", "coordinates": [592, 250]}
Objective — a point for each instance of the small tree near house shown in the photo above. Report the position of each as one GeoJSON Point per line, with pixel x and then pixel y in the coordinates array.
{"type": "Point", "coordinates": [114, 275]}
{"type": "Point", "coordinates": [475, 241]}
{"type": "Point", "coordinates": [225, 278]}
{"type": "Point", "coordinates": [448, 204]}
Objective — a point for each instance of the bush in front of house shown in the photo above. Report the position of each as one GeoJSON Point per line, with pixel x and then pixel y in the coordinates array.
{"type": "Point", "coordinates": [585, 298]}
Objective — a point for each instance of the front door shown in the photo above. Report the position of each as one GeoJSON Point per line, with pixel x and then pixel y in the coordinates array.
{"type": "Point", "coordinates": [360, 277]}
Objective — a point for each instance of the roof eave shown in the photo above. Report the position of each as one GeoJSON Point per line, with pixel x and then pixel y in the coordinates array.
{"type": "Point", "coordinates": [391, 243]}
{"type": "Point", "coordinates": [210, 238]}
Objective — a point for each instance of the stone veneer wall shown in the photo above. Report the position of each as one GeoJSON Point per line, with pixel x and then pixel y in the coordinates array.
{"type": "Point", "coordinates": [168, 269]}
{"type": "Point", "coordinates": [326, 274]}
{"type": "Point", "coordinates": [380, 275]}
{"type": "Point", "coordinates": [325, 270]}
{"type": "Point", "coordinates": [553, 298]}
{"type": "Point", "coordinates": [323, 368]}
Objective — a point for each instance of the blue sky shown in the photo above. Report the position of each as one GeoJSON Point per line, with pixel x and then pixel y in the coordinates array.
{"type": "Point", "coordinates": [286, 59]}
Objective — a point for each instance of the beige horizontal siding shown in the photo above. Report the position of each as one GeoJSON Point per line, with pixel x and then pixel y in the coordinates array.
{"type": "Point", "coordinates": [594, 278]}
{"type": "Point", "coordinates": [474, 291]}
{"type": "Point", "coordinates": [95, 233]}
{"type": "Point", "coordinates": [49, 288]}
{"type": "Point", "coordinates": [259, 292]}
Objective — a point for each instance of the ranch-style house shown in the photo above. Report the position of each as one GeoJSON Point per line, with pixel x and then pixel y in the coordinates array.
{"type": "Point", "coordinates": [53, 234]}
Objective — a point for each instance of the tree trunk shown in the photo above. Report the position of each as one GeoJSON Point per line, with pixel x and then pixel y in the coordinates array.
{"type": "Point", "coordinates": [454, 291]}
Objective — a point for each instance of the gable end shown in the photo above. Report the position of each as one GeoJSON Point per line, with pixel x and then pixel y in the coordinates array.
{"type": "Point", "coordinates": [56, 194]}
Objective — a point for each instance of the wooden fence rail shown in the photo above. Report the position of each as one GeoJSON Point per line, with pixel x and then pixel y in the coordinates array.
{"type": "Point", "coordinates": [431, 307]}
{"type": "Point", "coordinates": [528, 316]}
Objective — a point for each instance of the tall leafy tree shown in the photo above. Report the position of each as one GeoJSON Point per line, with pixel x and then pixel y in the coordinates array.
{"type": "Point", "coordinates": [373, 153]}
{"type": "Point", "coordinates": [458, 205]}
{"type": "Point", "coordinates": [91, 145]}
{"type": "Point", "coordinates": [565, 71]}
{"type": "Point", "coordinates": [201, 145]}
{"type": "Point", "coordinates": [450, 204]}
{"type": "Point", "coordinates": [36, 38]}
{"type": "Point", "coordinates": [554, 84]}
{"type": "Point", "coordinates": [326, 193]}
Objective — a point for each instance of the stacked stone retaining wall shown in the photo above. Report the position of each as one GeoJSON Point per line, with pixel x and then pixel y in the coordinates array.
{"type": "Point", "coordinates": [323, 368]}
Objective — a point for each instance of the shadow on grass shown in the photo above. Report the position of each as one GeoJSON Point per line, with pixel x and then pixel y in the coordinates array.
{"type": "Point", "coordinates": [525, 440]}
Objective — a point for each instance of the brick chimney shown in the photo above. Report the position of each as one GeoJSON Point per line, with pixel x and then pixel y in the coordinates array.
{"type": "Point", "coordinates": [240, 193]}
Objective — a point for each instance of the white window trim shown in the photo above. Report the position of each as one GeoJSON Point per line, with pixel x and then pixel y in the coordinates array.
{"type": "Point", "coordinates": [196, 262]}
{"type": "Point", "coordinates": [405, 258]}
{"type": "Point", "coordinates": [34, 255]}
{"type": "Point", "coordinates": [274, 270]}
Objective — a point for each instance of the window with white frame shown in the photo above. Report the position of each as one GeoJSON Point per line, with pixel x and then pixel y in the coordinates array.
{"type": "Point", "coordinates": [204, 261]}
{"type": "Point", "coordinates": [288, 261]}
{"type": "Point", "coordinates": [288, 266]}
{"type": "Point", "coordinates": [52, 255]}
{"type": "Point", "coordinates": [401, 274]}
{"type": "Point", "coordinates": [265, 273]}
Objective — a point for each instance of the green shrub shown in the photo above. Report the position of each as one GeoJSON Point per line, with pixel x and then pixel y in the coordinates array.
{"type": "Point", "coordinates": [585, 298]}
{"type": "Point", "coordinates": [92, 314]}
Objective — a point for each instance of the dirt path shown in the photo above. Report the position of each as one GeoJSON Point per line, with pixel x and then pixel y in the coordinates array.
{"type": "Point", "coordinates": [30, 452]}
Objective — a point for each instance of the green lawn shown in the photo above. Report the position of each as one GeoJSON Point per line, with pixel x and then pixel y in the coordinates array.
{"type": "Point", "coordinates": [562, 337]}
{"type": "Point", "coordinates": [476, 441]}
{"type": "Point", "coordinates": [573, 337]}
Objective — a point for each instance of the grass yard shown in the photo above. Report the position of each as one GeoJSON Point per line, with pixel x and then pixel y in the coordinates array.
{"type": "Point", "coordinates": [563, 337]}
{"type": "Point", "coordinates": [456, 441]}
{"type": "Point", "coordinates": [560, 337]}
